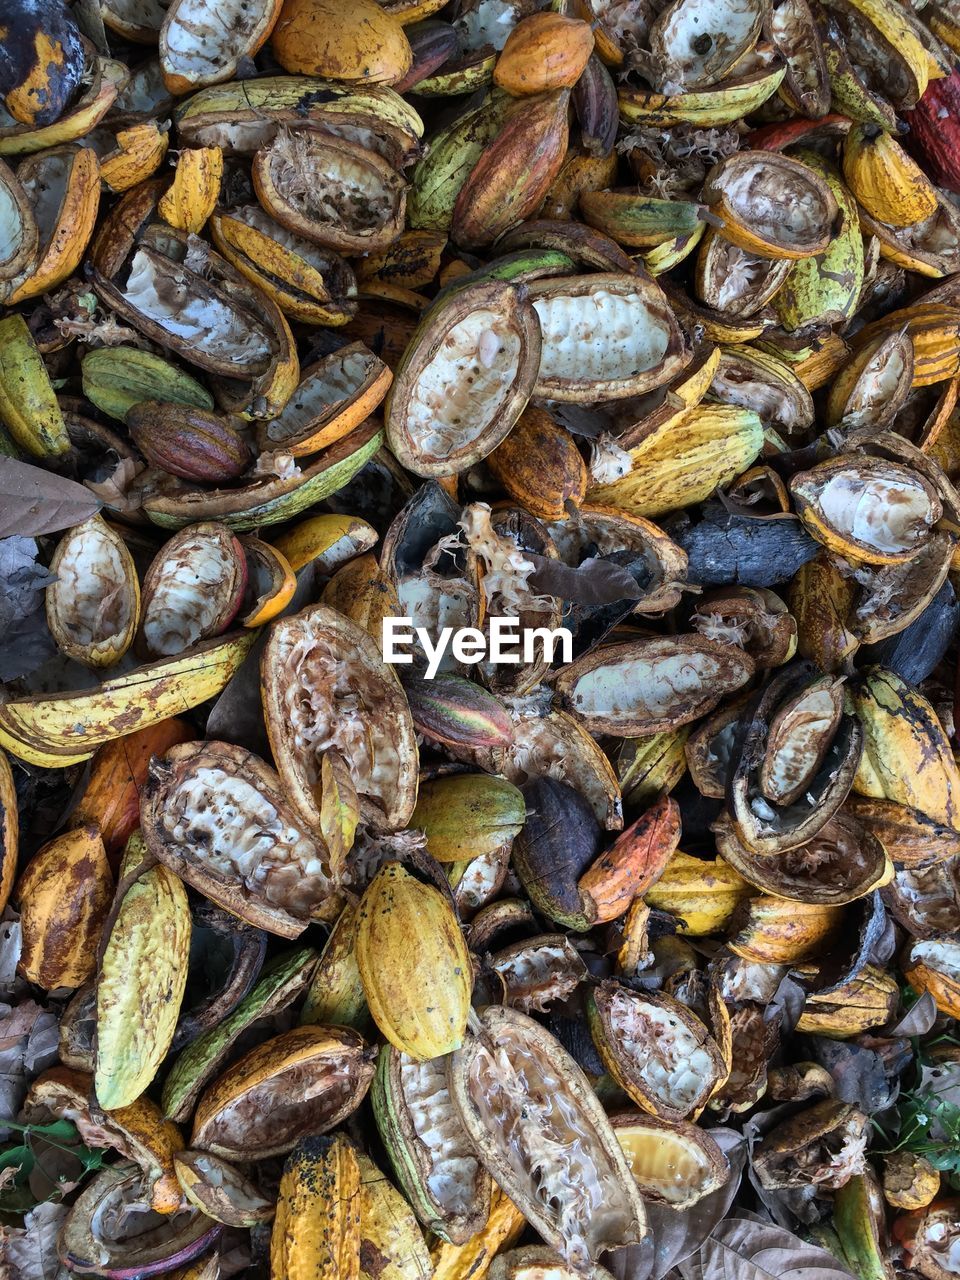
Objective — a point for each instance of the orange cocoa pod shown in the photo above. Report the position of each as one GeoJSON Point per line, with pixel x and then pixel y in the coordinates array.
{"type": "Point", "coordinates": [634, 862]}
{"type": "Point", "coordinates": [9, 830]}
{"type": "Point", "coordinates": [111, 798]}
{"type": "Point", "coordinates": [511, 178]}
{"type": "Point", "coordinates": [544, 51]}
{"type": "Point", "coordinates": [539, 465]}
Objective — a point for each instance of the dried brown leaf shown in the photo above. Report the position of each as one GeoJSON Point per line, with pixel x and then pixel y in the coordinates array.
{"type": "Point", "coordinates": [31, 1250]}
{"type": "Point", "coordinates": [114, 491]}
{"type": "Point", "coordinates": [744, 1248]}
{"type": "Point", "coordinates": [33, 501]}
{"type": "Point", "coordinates": [593, 582]}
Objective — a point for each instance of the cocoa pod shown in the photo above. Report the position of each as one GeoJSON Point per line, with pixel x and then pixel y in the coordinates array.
{"type": "Point", "coordinates": [935, 130]}
{"type": "Point", "coordinates": [419, 996]}
{"type": "Point", "coordinates": [458, 713]}
{"type": "Point", "coordinates": [625, 1026]}
{"type": "Point", "coordinates": [404, 1093]}
{"type": "Point", "coordinates": [205, 813]}
{"type": "Point", "coordinates": [595, 103]}
{"type": "Point", "coordinates": [220, 1191]}
{"type": "Point", "coordinates": [64, 896]}
{"type": "Point", "coordinates": [483, 1085]}
{"type": "Point", "coordinates": [139, 1132]}
{"type": "Point", "coordinates": [93, 565]}
{"type": "Point", "coordinates": [187, 442]}
{"type": "Point", "coordinates": [141, 981]}
{"type": "Point", "coordinates": [111, 797]}
{"type": "Point", "coordinates": [543, 52]}
{"type": "Point", "coordinates": [559, 840]}
{"type": "Point", "coordinates": [695, 1166]}
{"type": "Point", "coordinates": [635, 862]}
{"type": "Point", "coordinates": [304, 1081]}
{"type": "Point", "coordinates": [388, 1230]}
{"type": "Point", "coordinates": [514, 172]}
{"type": "Point", "coordinates": [192, 590]}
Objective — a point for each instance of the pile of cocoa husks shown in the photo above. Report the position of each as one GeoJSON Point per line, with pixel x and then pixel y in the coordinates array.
{"type": "Point", "coordinates": [634, 323]}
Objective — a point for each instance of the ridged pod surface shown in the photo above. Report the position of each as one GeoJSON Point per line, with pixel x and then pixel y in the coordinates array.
{"type": "Point", "coordinates": [28, 404]}
{"type": "Point", "coordinates": [906, 754]}
{"type": "Point", "coordinates": [140, 985]}
{"type": "Point", "coordinates": [362, 43]}
{"type": "Point", "coordinates": [515, 170]}
{"type": "Point", "coordinates": [390, 1238]}
{"type": "Point", "coordinates": [64, 895]}
{"type": "Point", "coordinates": [316, 1233]}
{"type": "Point", "coordinates": [543, 52]}
{"type": "Point", "coordinates": [414, 964]}
{"type": "Point", "coordinates": [682, 461]}
{"type": "Point", "coordinates": [63, 729]}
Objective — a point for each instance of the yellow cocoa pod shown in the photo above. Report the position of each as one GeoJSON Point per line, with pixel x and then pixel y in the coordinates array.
{"type": "Point", "coordinates": [64, 896]}
{"type": "Point", "coordinates": [73, 175]}
{"type": "Point", "coordinates": [906, 754]}
{"type": "Point", "coordinates": [649, 766]}
{"type": "Point", "coordinates": [472, 1261]}
{"type": "Point", "coordinates": [9, 830]}
{"type": "Point", "coordinates": [335, 996]}
{"type": "Point", "coordinates": [316, 1233]}
{"type": "Point", "coordinates": [192, 196]}
{"type": "Point", "coordinates": [467, 815]}
{"type": "Point", "coordinates": [28, 404]}
{"type": "Point", "coordinates": [392, 1246]}
{"type": "Point", "coordinates": [353, 41]}
{"type": "Point", "coordinates": [65, 728]}
{"type": "Point", "coordinates": [138, 154]}
{"type": "Point", "coordinates": [365, 593]}
{"type": "Point", "coordinates": [868, 1000]}
{"type": "Point", "coordinates": [910, 1181]}
{"type": "Point", "coordinates": [702, 895]}
{"type": "Point", "coordinates": [683, 460]}
{"type": "Point", "coordinates": [889, 184]}
{"type": "Point", "coordinates": [142, 978]}
{"type": "Point", "coordinates": [414, 964]}
{"type": "Point", "coordinates": [781, 931]}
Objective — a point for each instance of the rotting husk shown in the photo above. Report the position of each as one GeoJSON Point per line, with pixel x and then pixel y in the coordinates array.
{"type": "Point", "coordinates": [636, 960]}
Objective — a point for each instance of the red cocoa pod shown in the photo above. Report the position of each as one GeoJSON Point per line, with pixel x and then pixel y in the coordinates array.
{"type": "Point", "coordinates": [598, 112]}
{"type": "Point", "coordinates": [187, 441]}
{"type": "Point", "coordinates": [433, 43]}
{"type": "Point", "coordinates": [934, 137]}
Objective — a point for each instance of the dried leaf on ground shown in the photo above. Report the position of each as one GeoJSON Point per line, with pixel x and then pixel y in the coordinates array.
{"type": "Point", "coordinates": [34, 501]}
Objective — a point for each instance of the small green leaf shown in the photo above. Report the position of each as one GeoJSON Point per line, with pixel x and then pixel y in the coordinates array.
{"type": "Point", "coordinates": [62, 1129]}
{"type": "Point", "coordinates": [20, 1158]}
{"type": "Point", "coordinates": [89, 1159]}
